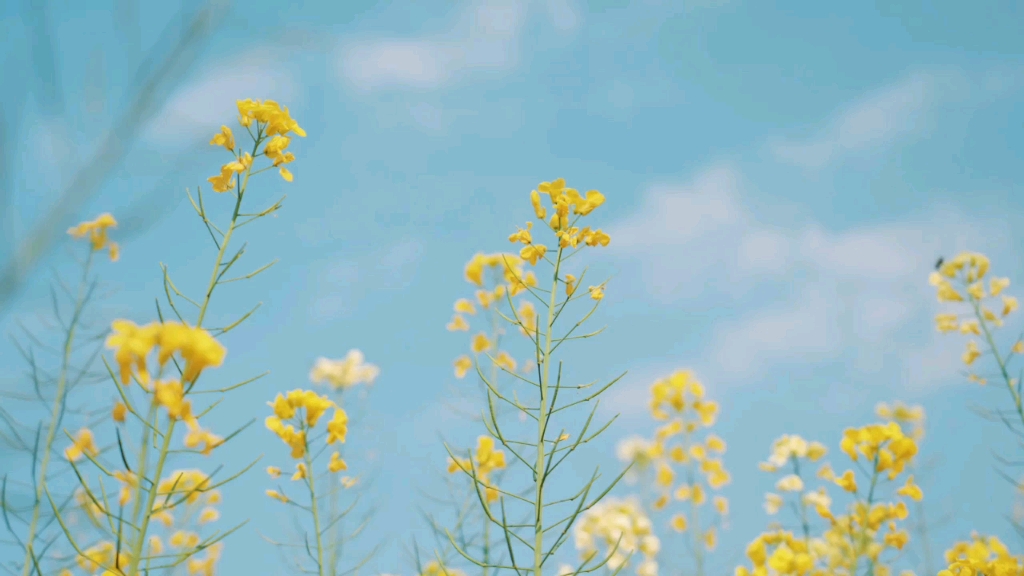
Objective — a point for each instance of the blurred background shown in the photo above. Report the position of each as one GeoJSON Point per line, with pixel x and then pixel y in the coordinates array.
{"type": "Point", "coordinates": [780, 182]}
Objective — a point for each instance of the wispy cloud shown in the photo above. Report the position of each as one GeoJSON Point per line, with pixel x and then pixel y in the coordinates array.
{"type": "Point", "coordinates": [803, 294]}
{"type": "Point", "coordinates": [200, 106]}
{"type": "Point", "coordinates": [486, 36]}
{"type": "Point", "coordinates": [876, 120]}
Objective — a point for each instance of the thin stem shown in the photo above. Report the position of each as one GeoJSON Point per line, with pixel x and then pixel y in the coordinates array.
{"type": "Point", "coordinates": [315, 508]}
{"type": "Point", "coordinates": [55, 418]}
{"type": "Point", "coordinates": [136, 552]}
{"type": "Point", "coordinates": [803, 505]}
{"type": "Point", "coordinates": [542, 420]}
{"type": "Point", "coordinates": [1000, 361]}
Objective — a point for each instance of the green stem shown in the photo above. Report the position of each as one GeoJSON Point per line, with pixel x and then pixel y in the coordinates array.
{"type": "Point", "coordinates": [496, 338]}
{"type": "Point", "coordinates": [545, 381]}
{"type": "Point", "coordinates": [698, 538]}
{"type": "Point", "coordinates": [315, 507]}
{"type": "Point", "coordinates": [1017, 402]}
{"type": "Point", "coordinates": [332, 561]}
{"type": "Point", "coordinates": [136, 552]}
{"type": "Point", "coordinates": [870, 501]}
{"type": "Point", "coordinates": [55, 418]}
{"type": "Point", "coordinates": [803, 506]}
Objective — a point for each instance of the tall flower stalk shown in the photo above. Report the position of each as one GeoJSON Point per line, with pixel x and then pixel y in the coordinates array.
{"type": "Point", "coordinates": [41, 448]}
{"type": "Point", "coordinates": [185, 350]}
{"type": "Point", "coordinates": [550, 449]}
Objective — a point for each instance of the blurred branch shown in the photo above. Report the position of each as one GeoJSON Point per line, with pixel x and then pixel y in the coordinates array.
{"type": "Point", "coordinates": [156, 77]}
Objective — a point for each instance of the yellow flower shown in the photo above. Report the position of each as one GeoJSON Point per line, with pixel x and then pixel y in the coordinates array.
{"type": "Point", "coordinates": [522, 235]}
{"type": "Point", "coordinates": [301, 471]}
{"type": "Point", "coordinates": [790, 483]}
{"type": "Point", "coordinates": [970, 327]}
{"type": "Point", "coordinates": [224, 138]}
{"type": "Point", "coordinates": [665, 475]}
{"type": "Point", "coordinates": [119, 412]}
{"type": "Point", "coordinates": [772, 503]}
{"type": "Point", "coordinates": [679, 523]}
{"type": "Point", "coordinates": [596, 238]}
{"type": "Point", "coordinates": [593, 200]}
{"type": "Point", "coordinates": [997, 285]}
{"type": "Point", "coordinates": [336, 464]}
{"type": "Point", "coordinates": [570, 284]}
{"type": "Point", "coordinates": [506, 361]}
{"type": "Point", "coordinates": [911, 490]}
{"type": "Point", "coordinates": [464, 306]}
{"type": "Point", "coordinates": [480, 343]}
{"type": "Point", "coordinates": [458, 323]}
{"type": "Point", "coordinates": [596, 292]}
{"type": "Point", "coordinates": [337, 428]}
{"type": "Point", "coordinates": [208, 515]}
{"type": "Point", "coordinates": [847, 481]}
{"type": "Point", "coordinates": [344, 373]}
{"type": "Point", "coordinates": [721, 505]}
{"type": "Point", "coordinates": [97, 231]}
{"type": "Point", "coordinates": [1010, 305]}
{"type": "Point", "coordinates": [714, 443]}
{"type": "Point", "coordinates": [532, 253]}
{"type": "Point", "coordinates": [462, 366]}
{"type": "Point", "coordinates": [273, 471]}
{"type": "Point", "coordinates": [475, 269]}
{"type": "Point", "coordinates": [224, 181]}
{"type": "Point", "coordinates": [171, 395]}
{"type": "Point", "coordinates": [972, 353]}
{"type": "Point", "coordinates": [196, 436]}
{"type": "Point", "coordinates": [84, 443]}
{"type": "Point", "coordinates": [538, 208]}
{"type": "Point", "coordinates": [277, 496]}
{"type": "Point", "coordinates": [132, 343]}
{"type": "Point", "coordinates": [710, 539]}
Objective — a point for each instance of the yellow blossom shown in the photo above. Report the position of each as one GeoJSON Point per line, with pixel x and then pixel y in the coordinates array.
{"type": "Point", "coordinates": [462, 366]}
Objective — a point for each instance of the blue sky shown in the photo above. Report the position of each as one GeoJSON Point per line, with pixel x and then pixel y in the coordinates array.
{"type": "Point", "coordinates": [779, 184]}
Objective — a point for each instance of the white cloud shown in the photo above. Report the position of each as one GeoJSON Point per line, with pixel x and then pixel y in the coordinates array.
{"type": "Point", "coordinates": [200, 106]}
{"type": "Point", "coordinates": [805, 294]}
{"type": "Point", "coordinates": [876, 120]}
{"type": "Point", "coordinates": [485, 36]}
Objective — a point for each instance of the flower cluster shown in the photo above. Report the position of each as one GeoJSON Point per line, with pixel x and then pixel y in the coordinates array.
{"type": "Point", "coordinates": [983, 555]}
{"type": "Point", "coordinates": [623, 529]}
{"type": "Point", "coordinates": [848, 539]}
{"type": "Point", "coordinates": [792, 452]}
{"type": "Point", "coordinates": [781, 553]}
{"type": "Point", "coordinates": [345, 373]}
{"type": "Point", "coordinates": [570, 236]}
{"type": "Point", "coordinates": [483, 462]}
{"type": "Point", "coordinates": [273, 124]}
{"type": "Point", "coordinates": [185, 500]}
{"type": "Point", "coordinates": [97, 232]}
{"type": "Point", "coordinates": [498, 278]}
{"type": "Point", "coordinates": [885, 444]}
{"type": "Point", "coordinates": [904, 416]}
{"type": "Point", "coordinates": [640, 453]}
{"type": "Point", "coordinates": [962, 280]}
{"type": "Point", "coordinates": [303, 409]}
{"type": "Point", "coordinates": [132, 344]}
{"type": "Point", "coordinates": [678, 444]}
